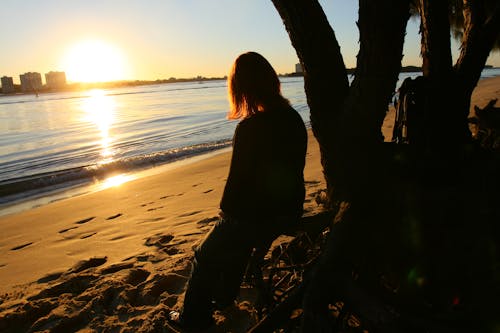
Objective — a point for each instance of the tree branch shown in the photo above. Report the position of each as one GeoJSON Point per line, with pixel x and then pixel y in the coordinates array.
{"type": "Point", "coordinates": [382, 29]}
{"type": "Point", "coordinates": [480, 35]}
{"type": "Point", "coordinates": [436, 45]}
{"type": "Point", "coordinates": [318, 50]}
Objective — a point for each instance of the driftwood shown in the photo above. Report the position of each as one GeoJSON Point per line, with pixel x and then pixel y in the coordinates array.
{"type": "Point", "coordinates": [486, 125]}
{"type": "Point", "coordinates": [286, 272]}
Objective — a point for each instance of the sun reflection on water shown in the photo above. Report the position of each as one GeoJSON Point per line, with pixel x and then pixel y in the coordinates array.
{"type": "Point", "coordinates": [99, 109]}
{"type": "Point", "coordinates": [115, 181]}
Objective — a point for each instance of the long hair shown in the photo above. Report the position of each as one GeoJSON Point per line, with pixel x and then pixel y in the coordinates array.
{"type": "Point", "coordinates": [253, 86]}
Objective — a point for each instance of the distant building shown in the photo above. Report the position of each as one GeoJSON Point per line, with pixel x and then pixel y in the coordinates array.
{"type": "Point", "coordinates": [31, 82]}
{"type": "Point", "coordinates": [55, 80]}
{"type": "Point", "coordinates": [7, 85]}
{"type": "Point", "coordinates": [298, 68]}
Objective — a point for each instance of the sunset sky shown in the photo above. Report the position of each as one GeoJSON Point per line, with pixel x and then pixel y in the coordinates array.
{"type": "Point", "coordinates": [100, 40]}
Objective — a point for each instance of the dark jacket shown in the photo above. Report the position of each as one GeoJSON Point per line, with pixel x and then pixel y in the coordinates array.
{"type": "Point", "coordinates": [266, 175]}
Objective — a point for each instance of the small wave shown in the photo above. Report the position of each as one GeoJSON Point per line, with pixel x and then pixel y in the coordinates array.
{"type": "Point", "coordinates": [12, 188]}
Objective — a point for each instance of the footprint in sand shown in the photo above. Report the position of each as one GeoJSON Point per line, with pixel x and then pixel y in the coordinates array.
{"type": "Point", "coordinates": [88, 219]}
{"type": "Point", "coordinates": [67, 229]}
{"type": "Point", "coordinates": [114, 216]}
{"type": "Point", "coordinates": [152, 220]}
{"type": "Point", "coordinates": [153, 258]}
{"type": "Point", "coordinates": [166, 196]}
{"type": "Point", "coordinates": [156, 219]}
{"type": "Point", "coordinates": [50, 277]}
{"type": "Point", "coordinates": [208, 220]}
{"type": "Point", "coordinates": [88, 235]}
{"type": "Point", "coordinates": [193, 234]}
{"type": "Point", "coordinates": [118, 237]}
{"type": "Point", "coordinates": [190, 214]}
{"type": "Point", "coordinates": [117, 267]}
{"type": "Point", "coordinates": [155, 208]}
{"type": "Point", "coordinates": [86, 264]}
{"type": "Point", "coordinates": [170, 283]}
{"type": "Point", "coordinates": [171, 250]}
{"type": "Point", "coordinates": [158, 240]}
{"type": "Point", "coordinates": [15, 248]}
{"type": "Point", "coordinates": [73, 284]}
{"type": "Point", "coordinates": [162, 242]}
{"type": "Point", "coordinates": [137, 276]}
{"type": "Point", "coordinates": [208, 191]}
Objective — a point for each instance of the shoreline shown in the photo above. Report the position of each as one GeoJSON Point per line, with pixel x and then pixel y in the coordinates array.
{"type": "Point", "coordinates": [66, 192]}
{"type": "Point", "coordinates": [82, 186]}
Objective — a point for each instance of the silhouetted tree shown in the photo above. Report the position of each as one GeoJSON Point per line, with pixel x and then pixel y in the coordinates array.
{"type": "Point", "coordinates": [347, 118]}
{"type": "Point", "coordinates": [400, 209]}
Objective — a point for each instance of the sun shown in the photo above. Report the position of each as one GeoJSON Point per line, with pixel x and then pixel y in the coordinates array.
{"type": "Point", "coordinates": [94, 61]}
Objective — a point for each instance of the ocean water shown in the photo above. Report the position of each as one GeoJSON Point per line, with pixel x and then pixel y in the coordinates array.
{"type": "Point", "coordinates": [68, 140]}
{"type": "Point", "coordinates": [58, 141]}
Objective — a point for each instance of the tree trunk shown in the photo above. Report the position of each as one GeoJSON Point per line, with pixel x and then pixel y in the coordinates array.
{"type": "Point", "coordinates": [479, 36]}
{"type": "Point", "coordinates": [445, 127]}
{"type": "Point", "coordinates": [382, 26]}
{"type": "Point", "coordinates": [325, 76]}
{"type": "Point", "coordinates": [435, 30]}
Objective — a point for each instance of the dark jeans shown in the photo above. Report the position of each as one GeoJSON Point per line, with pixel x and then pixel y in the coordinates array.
{"type": "Point", "coordinates": [220, 261]}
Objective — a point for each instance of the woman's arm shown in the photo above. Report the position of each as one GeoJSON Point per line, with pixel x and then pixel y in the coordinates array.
{"type": "Point", "coordinates": [236, 193]}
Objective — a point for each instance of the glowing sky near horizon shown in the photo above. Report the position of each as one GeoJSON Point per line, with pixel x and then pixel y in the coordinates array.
{"type": "Point", "coordinates": [159, 39]}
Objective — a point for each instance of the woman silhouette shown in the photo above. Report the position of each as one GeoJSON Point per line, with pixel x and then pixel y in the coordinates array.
{"type": "Point", "coordinates": [264, 192]}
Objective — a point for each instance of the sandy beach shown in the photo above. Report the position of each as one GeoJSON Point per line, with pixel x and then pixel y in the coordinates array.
{"type": "Point", "coordinates": [118, 259]}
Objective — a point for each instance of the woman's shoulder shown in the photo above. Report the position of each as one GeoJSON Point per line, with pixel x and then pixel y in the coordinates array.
{"type": "Point", "coordinates": [269, 116]}
{"type": "Point", "coordinates": [289, 114]}
{"type": "Point", "coordinates": [253, 119]}
{"type": "Point", "coordinates": [248, 125]}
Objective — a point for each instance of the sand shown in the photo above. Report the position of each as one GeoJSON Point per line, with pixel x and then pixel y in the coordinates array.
{"type": "Point", "coordinates": [118, 259]}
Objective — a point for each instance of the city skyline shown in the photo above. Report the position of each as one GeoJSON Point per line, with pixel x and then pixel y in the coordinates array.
{"type": "Point", "coordinates": [131, 40]}
{"type": "Point", "coordinates": [31, 82]}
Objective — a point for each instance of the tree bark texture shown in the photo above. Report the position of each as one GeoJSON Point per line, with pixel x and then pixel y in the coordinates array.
{"type": "Point", "coordinates": [382, 27]}
{"type": "Point", "coordinates": [443, 123]}
{"type": "Point", "coordinates": [435, 44]}
{"type": "Point", "coordinates": [325, 75]}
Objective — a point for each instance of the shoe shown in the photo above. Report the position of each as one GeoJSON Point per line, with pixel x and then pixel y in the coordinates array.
{"type": "Point", "coordinates": [175, 321]}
